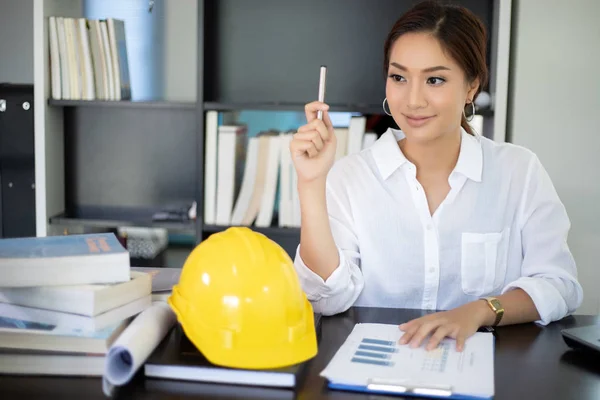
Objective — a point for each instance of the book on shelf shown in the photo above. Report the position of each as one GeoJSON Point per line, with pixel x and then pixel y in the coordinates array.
{"type": "Point", "coordinates": [253, 208]}
{"type": "Point", "coordinates": [177, 358]}
{"type": "Point", "coordinates": [210, 166]}
{"type": "Point", "coordinates": [63, 260]}
{"type": "Point", "coordinates": [87, 300]}
{"type": "Point", "coordinates": [268, 186]}
{"type": "Point", "coordinates": [249, 182]}
{"type": "Point", "coordinates": [88, 59]}
{"type": "Point", "coordinates": [232, 147]}
{"type": "Point", "coordinates": [267, 200]}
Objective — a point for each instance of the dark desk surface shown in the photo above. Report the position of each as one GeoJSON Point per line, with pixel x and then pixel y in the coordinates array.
{"type": "Point", "coordinates": [530, 362]}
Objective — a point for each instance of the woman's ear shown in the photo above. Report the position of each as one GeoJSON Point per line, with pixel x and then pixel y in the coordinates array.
{"type": "Point", "coordinates": [473, 87]}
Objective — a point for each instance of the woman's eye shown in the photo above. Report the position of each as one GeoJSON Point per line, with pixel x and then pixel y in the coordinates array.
{"type": "Point", "coordinates": [397, 78]}
{"type": "Point", "coordinates": [435, 81]}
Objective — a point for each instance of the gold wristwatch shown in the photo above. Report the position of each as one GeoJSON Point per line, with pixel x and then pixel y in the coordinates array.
{"type": "Point", "coordinates": [496, 307]}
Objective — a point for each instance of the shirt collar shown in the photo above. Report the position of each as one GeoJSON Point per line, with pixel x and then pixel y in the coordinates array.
{"type": "Point", "coordinates": [470, 157]}
{"type": "Point", "coordinates": [388, 156]}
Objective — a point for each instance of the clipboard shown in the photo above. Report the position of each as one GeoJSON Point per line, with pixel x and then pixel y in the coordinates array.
{"type": "Point", "coordinates": [370, 361]}
{"type": "Point", "coordinates": [397, 387]}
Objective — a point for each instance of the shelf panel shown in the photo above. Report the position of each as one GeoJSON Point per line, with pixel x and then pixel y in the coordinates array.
{"type": "Point", "coordinates": [281, 106]}
{"type": "Point", "coordinates": [114, 217]}
{"type": "Point", "coordinates": [270, 231]}
{"type": "Point", "coordinates": [121, 103]}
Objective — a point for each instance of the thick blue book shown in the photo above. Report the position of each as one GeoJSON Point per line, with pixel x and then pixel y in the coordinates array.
{"type": "Point", "coordinates": [63, 260]}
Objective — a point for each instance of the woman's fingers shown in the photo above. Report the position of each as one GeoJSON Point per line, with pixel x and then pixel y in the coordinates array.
{"type": "Point", "coordinates": [299, 147]}
{"type": "Point", "coordinates": [311, 110]}
{"type": "Point", "coordinates": [319, 126]}
{"type": "Point", "coordinates": [440, 333]}
{"type": "Point", "coordinates": [424, 330]}
{"type": "Point", "coordinates": [311, 136]}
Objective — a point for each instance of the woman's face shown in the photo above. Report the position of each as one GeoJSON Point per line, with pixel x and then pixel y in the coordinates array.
{"type": "Point", "coordinates": [426, 90]}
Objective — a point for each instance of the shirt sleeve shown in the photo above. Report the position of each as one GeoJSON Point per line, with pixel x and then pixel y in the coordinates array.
{"type": "Point", "coordinates": [548, 272]}
{"type": "Point", "coordinates": [344, 285]}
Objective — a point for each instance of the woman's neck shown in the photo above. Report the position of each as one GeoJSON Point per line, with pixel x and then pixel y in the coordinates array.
{"type": "Point", "coordinates": [434, 157]}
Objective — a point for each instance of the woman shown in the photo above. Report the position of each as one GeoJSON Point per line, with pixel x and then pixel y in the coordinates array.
{"type": "Point", "coordinates": [433, 216]}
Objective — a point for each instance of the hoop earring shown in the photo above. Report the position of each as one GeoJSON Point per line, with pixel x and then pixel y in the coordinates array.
{"type": "Point", "coordinates": [384, 110]}
{"type": "Point", "coordinates": [472, 112]}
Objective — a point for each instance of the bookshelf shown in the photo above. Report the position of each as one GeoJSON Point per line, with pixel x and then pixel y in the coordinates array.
{"type": "Point", "coordinates": [121, 104]}
{"type": "Point", "coordinates": [260, 55]}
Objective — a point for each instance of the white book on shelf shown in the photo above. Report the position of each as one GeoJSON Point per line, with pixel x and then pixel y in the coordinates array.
{"type": "Point", "coordinates": [88, 70]}
{"type": "Point", "coordinates": [245, 196]}
{"type": "Point", "coordinates": [296, 215]}
{"type": "Point", "coordinates": [72, 54]}
{"type": "Point", "coordinates": [231, 149]}
{"type": "Point", "coordinates": [112, 45]}
{"type": "Point", "coordinates": [285, 182]}
{"type": "Point", "coordinates": [54, 58]}
{"type": "Point", "coordinates": [267, 205]}
{"type": "Point", "coordinates": [341, 135]}
{"type": "Point", "coordinates": [97, 49]}
{"type": "Point", "coordinates": [356, 132]}
{"type": "Point", "coordinates": [259, 185]}
{"type": "Point", "coordinates": [75, 321]}
{"type": "Point", "coordinates": [118, 50]}
{"type": "Point", "coordinates": [65, 76]}
{"type": "Point", "coordinates": [80, 58]}
{"type": "Point", "coordinates": [210, 166]}
{"type": "Point", "coordinates": [107, 60]}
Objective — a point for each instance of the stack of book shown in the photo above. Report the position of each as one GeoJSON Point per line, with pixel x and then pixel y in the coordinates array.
{"type": "Point", "coordinates": [88, 59]}
{"type": "Point", "coordinates": [64, 300]}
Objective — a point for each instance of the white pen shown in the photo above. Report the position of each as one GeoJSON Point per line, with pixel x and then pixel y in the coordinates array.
{"type": "Point", "coordinates": [322, 79]}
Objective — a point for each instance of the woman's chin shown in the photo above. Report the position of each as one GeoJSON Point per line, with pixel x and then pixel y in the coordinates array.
{"type": "Point", "coordinates": [420, 135]}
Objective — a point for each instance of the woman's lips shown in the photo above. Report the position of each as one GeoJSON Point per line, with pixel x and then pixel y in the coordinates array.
{"type": "Point", "coordinates": [417, 121]}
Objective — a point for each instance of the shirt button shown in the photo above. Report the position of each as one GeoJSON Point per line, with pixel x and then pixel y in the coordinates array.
{"type": "Point", "coordinates": [429, 227]}
{"type": "Point", "coordinates": [431, 270]}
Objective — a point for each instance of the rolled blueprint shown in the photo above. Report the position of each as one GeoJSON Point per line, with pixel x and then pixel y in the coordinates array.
{"type": "Point", "coordinates": [136, 343]}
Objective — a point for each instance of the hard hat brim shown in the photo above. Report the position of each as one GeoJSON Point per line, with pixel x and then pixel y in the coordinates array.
{"type": "Point", "coordinates": [258, 356]}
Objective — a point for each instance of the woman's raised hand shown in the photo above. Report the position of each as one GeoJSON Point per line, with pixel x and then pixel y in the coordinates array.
{"type": "Point", "coordinates": [313, 146]}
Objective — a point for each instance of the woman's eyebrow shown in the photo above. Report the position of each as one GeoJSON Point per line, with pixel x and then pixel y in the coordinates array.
{"type": "Point", "coordinates": [430, 69]}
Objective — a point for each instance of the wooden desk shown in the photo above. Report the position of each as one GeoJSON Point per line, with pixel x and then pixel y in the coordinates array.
{"type": "Point", "coordinates": [531, 362]}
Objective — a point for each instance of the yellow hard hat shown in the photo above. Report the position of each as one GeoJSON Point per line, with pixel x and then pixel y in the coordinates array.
{"type": "Point", "coordinates": [240, 303]}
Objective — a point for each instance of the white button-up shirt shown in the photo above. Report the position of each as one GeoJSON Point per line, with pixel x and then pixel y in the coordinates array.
{"type": "Point", "coordinates": [501, 226]}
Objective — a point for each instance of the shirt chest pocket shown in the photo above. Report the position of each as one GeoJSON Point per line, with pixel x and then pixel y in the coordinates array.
{"type": "Point", "coordinates": [483, 262]}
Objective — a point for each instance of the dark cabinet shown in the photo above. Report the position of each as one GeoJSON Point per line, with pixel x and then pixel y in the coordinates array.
{"type": "Point", "coordinates": [17, 161]}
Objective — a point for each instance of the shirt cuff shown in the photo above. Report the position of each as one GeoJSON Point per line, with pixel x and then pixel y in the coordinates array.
{"type": "Point", "coordinates": [547, 299]}
{"type": "Point", "coordinates": [313, 285]}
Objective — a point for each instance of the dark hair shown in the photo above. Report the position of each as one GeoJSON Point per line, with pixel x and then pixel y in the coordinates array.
{"type": "Point", "coordinates": [460, 32]}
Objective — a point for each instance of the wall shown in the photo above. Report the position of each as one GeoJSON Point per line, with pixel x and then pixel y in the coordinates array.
{"type": "Point", "coordinates": [181, 49]}
{"type": "Point", "coordinates": [555, 111]}
{"type": "Point", "coordinates": [16, 32]}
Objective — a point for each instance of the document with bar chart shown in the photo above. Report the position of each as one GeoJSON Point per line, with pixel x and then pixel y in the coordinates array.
{"type": "Point", "coordinates": [371, 360]}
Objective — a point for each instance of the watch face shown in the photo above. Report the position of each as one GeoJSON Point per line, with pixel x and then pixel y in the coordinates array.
{"type": "Point", "coordinates": [496, 304]}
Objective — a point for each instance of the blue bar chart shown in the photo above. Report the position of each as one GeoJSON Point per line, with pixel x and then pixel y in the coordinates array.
{"type": "Point", "coordinates": [375, 352]}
